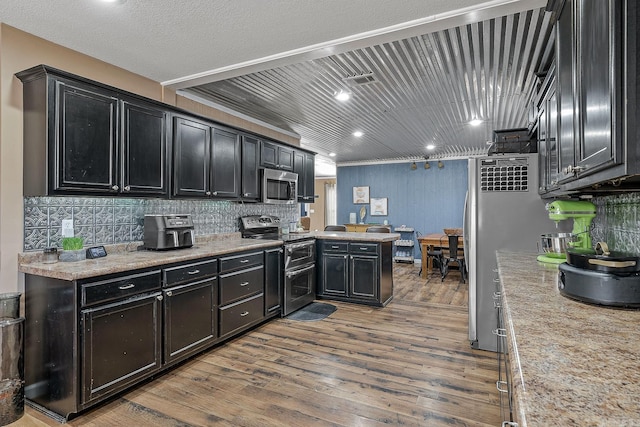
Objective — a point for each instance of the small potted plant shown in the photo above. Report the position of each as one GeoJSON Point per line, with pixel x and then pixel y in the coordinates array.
{"type": "Point", "coordinates": [73, 249]}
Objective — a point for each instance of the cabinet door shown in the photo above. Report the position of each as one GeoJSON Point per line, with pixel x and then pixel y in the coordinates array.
{"type": "Point", "coordinates": [542, 148]}
{"type": "Point", "coordinates": [86, 139]}
{"type": "Point", "coordinates": [565, 83]}
{"type": "Point", "coordinates": [309, 178]}
{"type": "Point", "coordinates": [298, 167]}
{"type": "Point", "coordinates": [250, 168]}
{"type": "Point", "coordinates": [335, 274]}
{"type": "Point", "coordinates": [553, 163]}
{"type": "Point", "coordinates": [120, 344]}
{"type": "Point", "coordinates": [144, 149]}
{"type": "Point", "coordinates": [364, 277]}
{"type": "Point", "coordinates": [190, 318]}
{"type": "Point", "coordinates": [276, 156]}
{"type": "Point", "coordinates": [225, 164]}
{"type": "Point", "coordinates": [272, 280]}
{"type": "Point", "coordinates": [191, 141]}
{"type": "Point", "coordinates": [598, 70]}
{"type": "Point", "coordinates": [285, 158]}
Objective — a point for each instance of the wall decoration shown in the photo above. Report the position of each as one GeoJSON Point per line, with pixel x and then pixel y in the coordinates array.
{"type": "Point", "coordinates": [378, 206]}
{"type": "Point", "coordinates": [360, 195]}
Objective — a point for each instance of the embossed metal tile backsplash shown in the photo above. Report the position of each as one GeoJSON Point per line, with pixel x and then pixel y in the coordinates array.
{"type": "Point", "coordinates": [617, 222]}
{"type": "Point", "coordinates": [104, 221]}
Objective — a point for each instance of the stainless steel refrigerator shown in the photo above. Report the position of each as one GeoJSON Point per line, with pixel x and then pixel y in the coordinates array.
{"type": "Point", "coordinates": [503, 211]}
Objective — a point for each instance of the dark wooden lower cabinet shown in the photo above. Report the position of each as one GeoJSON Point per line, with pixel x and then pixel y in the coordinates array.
{"type": "Point", "coordinates": [120, 344]}
{"type": "Point", "coordinates": [87, 340]}
{"type": "Point", "coordinates": [360, 272]}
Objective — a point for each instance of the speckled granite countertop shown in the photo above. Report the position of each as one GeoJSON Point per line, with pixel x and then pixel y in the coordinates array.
{"type": "Point", "coordinates": [126, 257]}
{"type": "Point", "coordinates": [572, 364]}
{"type": "Point", "coordinates": [360, 237]}
{"type": "Point", "coordinates": [121, 258]}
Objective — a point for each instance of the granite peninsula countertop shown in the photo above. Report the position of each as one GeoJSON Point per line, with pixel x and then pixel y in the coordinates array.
{"type": "Point", "coordinates": [125, 257]}
{"type": "Point", "coordinates": [572, 364]}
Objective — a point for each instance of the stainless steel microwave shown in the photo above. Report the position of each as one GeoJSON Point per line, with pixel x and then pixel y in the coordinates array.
{"type": "Point", "coordinates": [279, 187]}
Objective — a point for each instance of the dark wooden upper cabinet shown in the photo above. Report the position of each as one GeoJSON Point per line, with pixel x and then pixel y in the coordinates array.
{"type": "Point", "coordinates": [191, 141]}
{"type": "Point", "coordinates": [86, 139]}
{"type": "Point", "coordinates": [276, 156]}
{"type": "Point", "coordinates": [145, 167]}
{"type": "Point", "coordinates": [225, 164]}
{"type": "Point", "coordinates": [250, 168]}
{"type": "Point", "coordinates": [304, 166]}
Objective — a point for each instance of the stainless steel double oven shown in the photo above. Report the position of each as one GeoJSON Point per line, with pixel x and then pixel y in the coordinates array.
{"type": "Point", "coordinates": [299, 261]}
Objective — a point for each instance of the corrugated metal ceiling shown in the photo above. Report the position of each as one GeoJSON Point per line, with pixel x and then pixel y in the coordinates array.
{"type": "Point", "coordinates": [425, 91]}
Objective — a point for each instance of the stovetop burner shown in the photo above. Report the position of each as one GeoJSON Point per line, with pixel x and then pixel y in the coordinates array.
{"type": "Point", "coordinates": [267, 227]}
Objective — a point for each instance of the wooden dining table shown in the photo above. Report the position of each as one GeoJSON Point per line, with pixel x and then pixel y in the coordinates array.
{"type": "Point", "coordinates": [432, 241]}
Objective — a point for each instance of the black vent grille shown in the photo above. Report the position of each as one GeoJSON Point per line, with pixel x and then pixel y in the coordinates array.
{"type": "Point", "coordinates": [513, 177]}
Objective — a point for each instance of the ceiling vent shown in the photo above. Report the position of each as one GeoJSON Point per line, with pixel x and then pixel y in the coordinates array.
{"type": "Point", "coordinates": [361, 79]}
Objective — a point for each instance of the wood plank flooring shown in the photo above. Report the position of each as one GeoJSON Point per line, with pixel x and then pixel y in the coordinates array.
{"type": "Point", "coordinates": [407, 364]}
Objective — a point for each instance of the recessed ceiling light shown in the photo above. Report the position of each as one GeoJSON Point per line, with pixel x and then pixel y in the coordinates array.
{"type": "Point", "coordinates": [431, 147]}
{"type": "Point", "coordinates": [332, 154]}
{"type": "Point", "coordinates": [342, 95]}
{"type": "Point", "coordinates": [475, 122]}
{"type": "Point", "coordinates": [113, 1]}
{"type": "Point", "coordinates": [358, 134]}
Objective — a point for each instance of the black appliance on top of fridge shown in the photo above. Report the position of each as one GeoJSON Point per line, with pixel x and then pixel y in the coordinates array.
{"type": "Point", "coordinates": [503, 211]}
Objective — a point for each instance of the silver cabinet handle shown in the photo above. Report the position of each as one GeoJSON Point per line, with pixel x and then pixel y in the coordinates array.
{"type": "Point", "coordinates": [346, 256]}
{"type": "Point", "coordinates": [127, 286]}
{"type": "Point", "coordinates": [496, 280]}
{"type": "Point", "coordinates": [159, 297]}
{"type": "Point", "coordinates": [244, 284]}
{"type": "Point", "coordinates": [496, 304]}
{"type": "Point", "coordinates": [115, 188]}
{"type": "Point", "coordinates": [246, 313]}
{"type": "Point", "coordinates": [499, 383]}
{"type": "Point", "coordinates": [247, 194]}
{"type": "Point", "coordinates": [335, 247]}
{"type": "Point", "coordinates": [501, 332]}
{"type": "Point", "coordinates": [193, 272]}
{"type": "Point", "coordinates": [169, 293]}
{"type": "Point", "coordinates": [495, 270]}
{"type": "Point", "coordinates": [497, 295]}
{"type": "Point", "coordinates": [364, 249]}
{"type": "Point", "coordinates": [244, 261]}
{"type": "Point", "coordinates": [208, 193]}
{"type": "Point", "coordinates": [127, 188]}
{"type": "Point", "coordinates": [215, 193]}
{"type": "Point", "coordinates": [509, 424]}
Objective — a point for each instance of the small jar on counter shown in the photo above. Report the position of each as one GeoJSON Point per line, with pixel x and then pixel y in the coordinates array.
{"type": "Point", "coordinates": [50, 255]}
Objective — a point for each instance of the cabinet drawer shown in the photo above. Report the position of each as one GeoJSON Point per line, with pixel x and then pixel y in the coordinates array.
{"type": "Point", "coordinates": [240, 314]}
{"type": "Point", "coordinates": [335, 246]}
{"type": "Point", "coordinates": [241, 284]}
{"type": "Point", "coordinates": [363, 248]}
{"type": "Point", "coordinates": [120, 287]}
{"type": "Point", "coordinates": [188, 272]}
{"type": "Point", "coordinates": [240, 261]}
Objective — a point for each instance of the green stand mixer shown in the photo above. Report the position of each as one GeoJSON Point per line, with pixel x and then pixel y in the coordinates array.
{"type": "Point", "coordinates": [582, 212]}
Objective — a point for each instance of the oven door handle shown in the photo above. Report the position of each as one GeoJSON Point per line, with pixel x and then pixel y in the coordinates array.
{"type": "Point", "coordinates": [291, 247]}
{"type": "Point", "coordinates": [299, 271]}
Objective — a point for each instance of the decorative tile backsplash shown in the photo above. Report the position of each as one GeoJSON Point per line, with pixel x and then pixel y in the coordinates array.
{"type": "Point", "coordinates": [617, 221]}
{"type": "Point", "coordinates": [104, 221]}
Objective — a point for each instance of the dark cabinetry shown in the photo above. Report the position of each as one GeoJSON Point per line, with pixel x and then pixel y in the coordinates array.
{"type": "Point", "coordinates": [547, 127]}
{"type": "Point", "coordinates": [596, 95]}
{"type": "Point", "coordinates": [81, 138]}
{"type": "Point", "coordinates": [190, 308]}
{"type": "Point", "coordinates": [276, 156]}
{"type": "Point", "coordinates": [207, 160]}
{"type": "Point", "coordinates": [304, 166]}
{"type": "Point", "coordinates": [250, 168]}
{"type": "Point", "coordinates": [273, 280]}
{"type": "Point", "coordinates": [355, 271]}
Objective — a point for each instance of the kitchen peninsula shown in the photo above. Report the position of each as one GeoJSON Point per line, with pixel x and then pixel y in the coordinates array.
{"type": "Point", "coordinates": [571, 364]}
{"type": "Point", "coordinates": [97, 327]}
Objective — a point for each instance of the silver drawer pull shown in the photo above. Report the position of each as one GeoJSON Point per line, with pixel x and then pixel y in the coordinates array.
{"type": "Point", "coordinates": [244, 283]}
{"type": "Point", "coordinates": [127, 286]}
{"type": "Point", "coordinates": [501, 332]}
{"type": "Point", "coordinates": [501, 390]}
{"type": "Point", "coordinates": [193, 272]}
{"type": "Point", "coordinates": [335, 247]}
{"type": "Point", "coordinates": [497, 295]}
{"type": "Point", "coordinates": [246, 313]}
{"type": "Point", "coordinates": [364, 249]}
{"type": "Point", "coordinates": [509, 424]}
{"type": "Point", "coordinates": [496, 304]}
{"type": "Point", "coordinates": [244, 261]}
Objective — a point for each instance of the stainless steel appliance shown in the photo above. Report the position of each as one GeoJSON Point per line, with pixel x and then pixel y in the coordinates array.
{"type": "Point", "coordinates": [299, 264]}
{"type": "Point", "coordinates": [503, 211]}
{"type": "Point", "coordinates": [162, 232]}
{"type": "Point", "coordinates": [279, 187]}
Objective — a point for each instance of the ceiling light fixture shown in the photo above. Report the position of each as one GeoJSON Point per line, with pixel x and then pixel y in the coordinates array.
{"type": "Point", "coordinates": [358, 134]}
{"type": "Point", "coordinates": [440, 164]}
{"type": "Point", "coordinates": [475, 122]}
{"type": "Point", "coordinates": [342, 95]}
{"type": "Point", "coordinates": [332, 154]}
{"type": "Point", "coordinates": [113, 1]}
{"type": "Point", "coordinates": [414, 166]}
{"type": "Point", "coordinates": [427, 165]}
{"type": "Point", "coordinates": [431, 147]}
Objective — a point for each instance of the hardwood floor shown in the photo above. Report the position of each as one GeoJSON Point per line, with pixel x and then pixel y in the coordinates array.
{"type": "Point", "coordinates": [407, 364]}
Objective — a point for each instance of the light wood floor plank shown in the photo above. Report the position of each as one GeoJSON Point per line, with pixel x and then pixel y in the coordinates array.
{"type": "Point", "coordinates": [407, 364]}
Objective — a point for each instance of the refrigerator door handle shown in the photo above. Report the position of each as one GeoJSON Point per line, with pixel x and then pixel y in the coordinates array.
{"type": "Point", "coordinates": [465, 230]}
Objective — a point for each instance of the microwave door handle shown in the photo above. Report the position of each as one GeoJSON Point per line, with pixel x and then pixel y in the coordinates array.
{"type": "Point", "coordinates": [289, 190]}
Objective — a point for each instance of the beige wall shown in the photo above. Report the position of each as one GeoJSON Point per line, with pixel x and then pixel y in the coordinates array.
{"type": "Point", "coordinates": [317, 217]}
{"type": "Point", "coordinates": [19, 51]}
